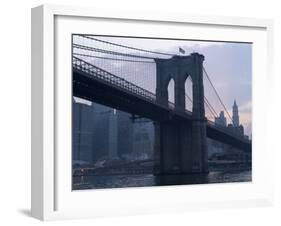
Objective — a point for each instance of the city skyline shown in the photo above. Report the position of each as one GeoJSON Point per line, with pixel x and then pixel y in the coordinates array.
{"type": "Point", "coordinates": [228, 64]}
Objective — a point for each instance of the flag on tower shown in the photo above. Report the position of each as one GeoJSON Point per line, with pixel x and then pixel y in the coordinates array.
{"type": "Point", "coordinates": [181, 50]}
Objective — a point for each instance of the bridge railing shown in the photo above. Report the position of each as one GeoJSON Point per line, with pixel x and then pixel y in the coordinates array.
{"type": "Point", "coordinates": [106, 76]}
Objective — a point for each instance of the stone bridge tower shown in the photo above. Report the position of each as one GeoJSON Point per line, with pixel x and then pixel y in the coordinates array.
{"type": "Point", "coordinates": [181, 146]}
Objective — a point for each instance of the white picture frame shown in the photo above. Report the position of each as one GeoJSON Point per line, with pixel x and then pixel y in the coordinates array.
{"type": "Point", "coordinates": [52, 197]}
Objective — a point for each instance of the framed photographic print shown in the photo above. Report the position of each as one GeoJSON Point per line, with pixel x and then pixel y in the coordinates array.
{"type": "Point", "coordinates": [135, 112]}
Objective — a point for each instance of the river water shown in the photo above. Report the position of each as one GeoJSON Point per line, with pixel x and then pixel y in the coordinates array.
{"type": "Point", "coordinates": [141, 180]}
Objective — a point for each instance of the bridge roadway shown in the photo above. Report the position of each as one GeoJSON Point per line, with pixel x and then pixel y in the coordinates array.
{"type": "Point", "coordinates": [94, 84]}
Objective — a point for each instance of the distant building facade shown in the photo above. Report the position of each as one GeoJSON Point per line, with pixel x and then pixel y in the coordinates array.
{"type": "Point", "coordinates": [221, 120]}
{"type": "Point", "coordinates": [143, 140]}
{"type": "Point", "coordinates": [216, 148]}
{"type": "Point", "coordinates": [100, 132]}
{"type": "Point", "coordinates": [82, 131]}
{"type": "Point", "coordinates": [124, 133]}
{"type": "Point", "coordinates": [104, 135]}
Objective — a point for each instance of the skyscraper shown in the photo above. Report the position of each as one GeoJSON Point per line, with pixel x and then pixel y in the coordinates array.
{"type": "Point", "coordinates": [221, 120]}
{"type": "Point", "coordinates": [82, 118]}
{"type": "Point", "coordinates": [235, 114]}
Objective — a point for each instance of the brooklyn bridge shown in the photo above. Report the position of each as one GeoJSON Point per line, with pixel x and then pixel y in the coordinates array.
{"type": "Point", "coordinates": [180, 133]}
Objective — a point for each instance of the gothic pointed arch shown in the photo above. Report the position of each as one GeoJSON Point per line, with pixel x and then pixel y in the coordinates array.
{"type": "Point", "coordinates": [171, 90]}
{"type": "Point", "coordinates": [188, 85]}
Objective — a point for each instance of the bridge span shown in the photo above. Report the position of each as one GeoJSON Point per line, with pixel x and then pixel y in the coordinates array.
{"type": "Point", "coordinates": [181, 134]}
{"type": "Point", "coordinates": [94, 84]}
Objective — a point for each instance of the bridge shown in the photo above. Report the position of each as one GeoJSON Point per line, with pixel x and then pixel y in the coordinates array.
{"type": "Point", "coordinates": [180, 134]}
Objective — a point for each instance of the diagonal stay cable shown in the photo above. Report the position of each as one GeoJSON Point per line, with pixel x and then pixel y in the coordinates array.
{"type": "Point", "coordinates": [208, 104]}
{"type": "Point", "coordinates": [189, 98]}
{"type": "Point", "coordinates": [212, 109]}
{"type": "Point", "coordinates": [217, 93]}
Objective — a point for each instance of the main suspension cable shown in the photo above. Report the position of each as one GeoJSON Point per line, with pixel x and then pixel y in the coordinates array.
{"type": "Point", "coordinates": [125, 46]}
{"type": "Point", "coordinates": [78, 46]}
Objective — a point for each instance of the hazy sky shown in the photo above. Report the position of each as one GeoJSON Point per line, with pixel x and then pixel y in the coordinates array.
{"type": "Point", "coordinates": [229, 66]}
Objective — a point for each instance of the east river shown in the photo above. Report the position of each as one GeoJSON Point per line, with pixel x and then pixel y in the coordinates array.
{"type": "Point", "coordinates": [141, 180]}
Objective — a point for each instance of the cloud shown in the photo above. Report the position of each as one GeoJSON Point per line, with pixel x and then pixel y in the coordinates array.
{"type": "Point", "coordinates": [246, 107]}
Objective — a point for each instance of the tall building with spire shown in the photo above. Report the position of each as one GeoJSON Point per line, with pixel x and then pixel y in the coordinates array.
{"type": "Point", "coordinates": [235, 115]}
{"type": "Point", "coordinates": [235, 126]}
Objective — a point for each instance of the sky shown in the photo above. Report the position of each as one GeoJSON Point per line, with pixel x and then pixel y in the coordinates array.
{"type": "Point", "coordinates": [229, 65]}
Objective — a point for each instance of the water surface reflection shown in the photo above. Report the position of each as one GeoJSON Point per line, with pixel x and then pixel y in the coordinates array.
{"type": "Point", "coordinates": [141, 180]}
